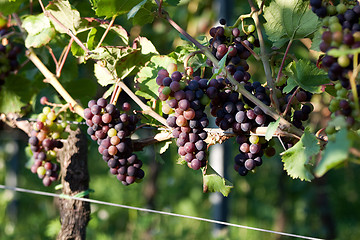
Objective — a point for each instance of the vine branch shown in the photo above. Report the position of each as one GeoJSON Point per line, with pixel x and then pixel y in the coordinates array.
{"type": "Point", "coordinates": [51, 79]}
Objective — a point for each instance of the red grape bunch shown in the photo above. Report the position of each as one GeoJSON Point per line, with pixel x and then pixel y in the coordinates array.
{"type": "Point", "coordinates": [236, 44]}
{"type": "Point", "coordinates": [112, 130]}
{"type": "Point", "coordinates": [45, 139]}
{"type": "Point", "coordinates": [184, 102]}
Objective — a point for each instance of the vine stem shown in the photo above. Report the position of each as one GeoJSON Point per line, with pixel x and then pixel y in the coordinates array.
{"type": "Point", "coordinates": [283, 60]}
{"type": "Point", "coordinates": [215, 135]}
{"type": "Point", "coordinates": [106, 31]}
{"type": "Point", "coordinates": [63, 58]}
{"type": "Point", "coordinates": [51, 79]}
{"type": "Point", "coordinates": [146, 109]}
{"type": "Point", "coordinates": [284, 125]}
{"type": "Point", "coordinates": [264, 55]}
{"type": "Point", "coordinates": [352, 78]}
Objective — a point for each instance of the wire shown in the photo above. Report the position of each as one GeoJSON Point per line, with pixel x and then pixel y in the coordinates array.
{"type": "Point", "coordinates": [16, 189]}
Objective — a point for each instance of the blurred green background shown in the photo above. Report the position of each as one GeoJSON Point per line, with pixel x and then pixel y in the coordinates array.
{"type": "Point", "coordinates": [326, 208]}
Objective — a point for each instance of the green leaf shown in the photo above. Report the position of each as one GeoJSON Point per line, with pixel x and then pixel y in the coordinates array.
{"type": "Point", "coordinates": [135, 9]}
{"type": "Point", "coordinates": [214, 183]}
{"type": "Point", "coordinates": [335, 153]}
{"type": "Point", "coordinates": [145, 14]}
{"type": "Point", "coordinates": [306, 75]}
{"type": "Point", "coordinates": [271, 129]}
{"type": "Point", "coordinates": [146, 77]}
{"type": "Point", "coordinates": [15, 94]}
{"type": "Point", "coordinates": [39, 30]}
{"type": "Point", "coordinates": [296, 159]}
{"type": "Point", "coordinates": [109, 8]}
{"type": "Point", "coordinates": [316, 40]}
{"type": "Point", "coordinates": [289, 20]}
{"type": "Point", "coordinates": [63, 11]}
{"type": "Point", "coordinates": [102, 75]}
{"type": "Point", "coordinates": [8, 7]}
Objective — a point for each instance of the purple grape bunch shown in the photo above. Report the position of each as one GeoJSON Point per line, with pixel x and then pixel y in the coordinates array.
{"type": "Point", "coordinates": [112, 130]}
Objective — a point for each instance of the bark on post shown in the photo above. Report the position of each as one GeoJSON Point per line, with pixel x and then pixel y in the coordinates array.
{"type": "Point", "coordinates": [74, 214]}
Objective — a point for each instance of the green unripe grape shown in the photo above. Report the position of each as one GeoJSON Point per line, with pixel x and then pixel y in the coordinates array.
{"type": "Point", "coordinates": [166, 91]}
{"type": "Point", "coordinates": [342, 93]}
{"type": "Point", "coordinates": [341, 8]}
{"type": "Point", "coordinates": [343, 61]}
{"type": "Point", "coordinates": [333, 19]}
{"type": "Point", "coordinates": [251, 28]}
{"type": "Point", "coordinates": [204, 100]}
{"type": "Point", "coordinates": [325, 21]}
{"type": "Point", "coordinates": [35, 127]}
{"type": "Point", "coordinates": [51, 116]}
{"type": "Point", "coordinates": [335, 27]}
{"type": "Point", "coordinates": [42, 117]}
{"type": "Point", "coordinates": [166, 108]}
{"type": "Point", "coordinates": [171, 68]}
{"type": "Point", "coordinates": [254, 139]}
{"type": "Point", "coordinates": [330, 130]}
{"type": "Point", "coordinates": [55, 135]}
{"type": "Point", "coordinates": [51, 154]}
{"type": "Point", "coordinates": [46, 110]}
{"type": "Point", "coordinates": [73, 127]}
{"type": "Point", "coordinates": [356, 36]}
{"type": "Point", "coordinates": [251, 39]}
{"type": "Point", "coordinates": [112, 132]}
{"type": "Point", "coordinates": [333, 107]}
{"type": "Point", "coordinates": [331, 10]}
{"type": "Point", "coordinates": [41, 171]}
{"type": "Point", "coordinates": [182, 85]}
{"type": "Point", "coordinates": [338, 86]}
{"type": "Point", "coordinates": [52, 126]}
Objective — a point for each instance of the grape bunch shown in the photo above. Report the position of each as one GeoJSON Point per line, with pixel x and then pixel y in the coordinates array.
{"type": "Point", "coordinates": [45, 139]}
{"type": "Point", "coordinates": [184, 103]}
{"type": "Point", "coordinates": [8, 56]}
{"type": "Point", "coordinates": [112, 130]}
{"type": "Point", "coordinates": [232, 111]}
{"type": "Point", "coordinates": [236, 44]}
{"type": "Point", "coordinates": [341, 31]}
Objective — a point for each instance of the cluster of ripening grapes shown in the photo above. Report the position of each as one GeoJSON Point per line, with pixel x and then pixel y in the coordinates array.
{"type": "Point", "coordinates": [8, 56]}
{"type": "Point", "coordinates": [341, 30]}
{"type": "Point", "coordinates": [233, 42]}
{"type": "Point", "coordinates": [112, 129]}
{"type": "Point", "coordinates": [238, 113]}
{"type": "Point", "coordinates": [185, 106]}
{"type": "Point", "coordinates": [45, 139]}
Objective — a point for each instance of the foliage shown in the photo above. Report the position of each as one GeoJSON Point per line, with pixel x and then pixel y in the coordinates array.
{"type": "Point", "coordinates": [115, 48]}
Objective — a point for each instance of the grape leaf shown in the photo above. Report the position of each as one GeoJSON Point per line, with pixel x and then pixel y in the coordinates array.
{"type": "Point", "coordinates": [289, 20]}
{"type": "Point", "coordinates": [15, 94]}
{"type": "Point", "coordinates": [215, 183]}
{"type": "Point", "coordinates": [335, 153]}
{"type": "Point", "coordinates": [63, 11]}
{"type": "Point", "coordinates": [102, 75]}
{"type": "Point", "coordinates": [271, 129]}
{"type": "Point", "coordinates": [306, 75]}
{"type": "Point", "coordinates": [296, 159]}
{"type": "Point", "coordinates": [39, 30]}
{"type": "Point", "coordinates": [8, 7]}
{"type": "Point", "coordinates": [316, 40]}
{"type": "Point", "coordinates": [109, 8]}
{"type": "Point", "coordinates": [145, 14]}
{"type": "Point", "coordinates": [135, 9]}
{"type": "Point", "coordinates": [146, 77]}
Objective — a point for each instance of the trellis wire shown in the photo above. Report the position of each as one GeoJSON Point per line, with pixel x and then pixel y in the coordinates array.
{"type": "Point", "coordinates": [16, 189]}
